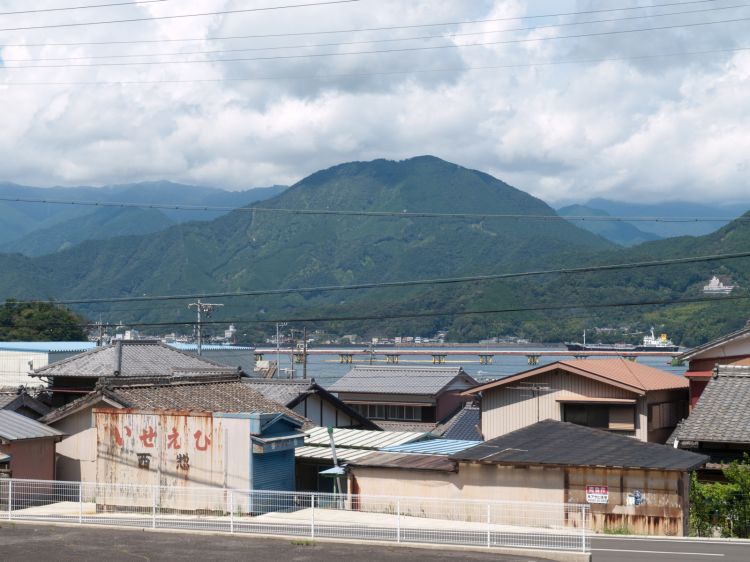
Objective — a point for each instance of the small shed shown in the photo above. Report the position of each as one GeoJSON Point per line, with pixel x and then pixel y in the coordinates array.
{"type": "Point", "coordinates": [629, 484]}
{"type": "Point", "coordinates": [19, 358]}
{"type": "Point", "coordinates": [30, 444]}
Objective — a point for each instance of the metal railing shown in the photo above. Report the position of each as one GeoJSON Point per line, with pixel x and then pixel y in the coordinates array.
{"type": "Point", "coordinates": [393, 519]}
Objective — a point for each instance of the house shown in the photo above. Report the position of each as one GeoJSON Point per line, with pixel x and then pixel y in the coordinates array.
{"type": "Point", "coordinates": [129, 359]}
{"type": "Point", "coordinates": [209, 393]}
{"type": "Point", "coordinates": [30, 446]}
{"type": "Point", "coordinates": [612, 394]}
{"type": "Point", "coordinates": [179, 449]}
{"type": "Point", "coordinates": [719, 423]}
{"type": "Point", "coordinates": [628, 484]}
{"type": "Point", "coordinates": [316, 453]}
{"type": "Point", "coordinates": [312, 402]}
{"type": "Point", "coordinates": [730, 349]}
{"type": "Point", "coordinates": [18, 358]}
{"type": "Point", "coordinates": [404, 398]}
{"type": "Point", "coordinates": [20, 401]}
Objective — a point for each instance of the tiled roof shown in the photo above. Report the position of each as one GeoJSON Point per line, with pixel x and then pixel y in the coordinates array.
{"type": "Point", "coordinates": [401, 380]}
{"type": "Point", "coordinates": [620, 372]}
{"type": "Point", "coordinates": [282, 391]}
{"type": "Point", "coordinates": [11, 399]}
{"type": "Point", "coordinates": [14, 426]}
{"type": "Point", "coordinates": [722, 413]}
{"type": "Point", "coordinates": [134, 359]}
{"type": "Point", "coordinates": [410, 426]}
{"type": "Point", "coordinates": [565, 444]}
{"type": "Point", "coordinates": [197, 395]}
{"type": "Point", "coordinates": [464, 425]}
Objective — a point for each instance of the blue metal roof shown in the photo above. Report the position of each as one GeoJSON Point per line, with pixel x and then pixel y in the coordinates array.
{"type": "Point", "coordinates": [432, 447]}
{"type": "Point", "coordinates": [48, 346]}
{"type": "Point", "coordinates": [210, 347]}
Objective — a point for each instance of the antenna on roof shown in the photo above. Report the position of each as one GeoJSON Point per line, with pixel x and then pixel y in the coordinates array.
{"type": "Point", "coordinates": [202, 308]}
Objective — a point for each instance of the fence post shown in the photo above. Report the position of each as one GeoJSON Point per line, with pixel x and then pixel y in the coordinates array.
{"type": "Point", "coordinates": [398, 520]}
{"type": "Point", "coordinates": [231, 511]}
{"type": "Point", "coordinates": [583, 528]}
{"type": "Point", "coordinates": [10, 498]}
{"type": "Point", "coordinates": [80, 503]}
{"type": "Point", "coordinates": [153, 507]}
{"type": "Point", "coordinates": [312, 516]}
{"type": "Point", "coordinates": [489, 525]}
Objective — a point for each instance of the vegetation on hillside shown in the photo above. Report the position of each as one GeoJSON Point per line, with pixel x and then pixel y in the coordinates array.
{"type": "Point", "coordinates": [39, 322]}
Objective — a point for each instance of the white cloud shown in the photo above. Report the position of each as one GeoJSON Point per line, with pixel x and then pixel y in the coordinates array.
{"type": "Point", "coordinates": [652, 129]}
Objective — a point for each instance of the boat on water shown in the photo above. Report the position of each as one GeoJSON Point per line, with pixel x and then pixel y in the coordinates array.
{"type": "Point", "coordinates": [650, 343]}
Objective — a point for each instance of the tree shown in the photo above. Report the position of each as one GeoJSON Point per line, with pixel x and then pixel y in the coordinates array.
{"type": "Point", "coordinates": [40, 321]}
{"type": "Point", "coordinates": [722, 507]}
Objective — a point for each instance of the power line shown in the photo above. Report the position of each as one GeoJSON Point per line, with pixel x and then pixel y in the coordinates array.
{"type": "Point", "coordinates": [85, 7]}
{"type": "Point", "coordinates": [350, 213]}
{"type": "Point", "coordinates": [382, 51]}
{"type": "Point", "coordinates": [433, 314]}
{"type": "Point", "coordinates": [357, 30]}
{"type": "Point", "coordinates": [410, 283]}
{"type": "Point", "coordinates": [179, 16]}
{"type": "Point", "coordinates": [375, 41]}
{"type": "Point", "coordinates": [306, 77]}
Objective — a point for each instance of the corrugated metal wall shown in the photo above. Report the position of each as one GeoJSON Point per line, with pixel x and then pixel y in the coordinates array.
{"type": "Point", "coordinates": [274, 471]}
{"type": "Point", "coordinates": [506, 409]}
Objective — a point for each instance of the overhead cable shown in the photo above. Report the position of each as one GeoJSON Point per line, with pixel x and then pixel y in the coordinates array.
{"type": "Point", "coordinates": [84, 7]}
{"type": "Point", "coordinates": [383, 51]}
{"type": "Point", "coordinates": [407, 283]}
{"type": "Point", "coordinates": [179, 16]}
{"type": "Point", "coordinates": [357, 30]}
{"type": "Point", "coordinates": [370, 41]}
{"type": "Point", "coordinates": [354, 213]}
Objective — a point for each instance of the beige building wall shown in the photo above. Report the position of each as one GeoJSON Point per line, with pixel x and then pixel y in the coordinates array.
{"type": "Point", "coordinates": [505, 409]}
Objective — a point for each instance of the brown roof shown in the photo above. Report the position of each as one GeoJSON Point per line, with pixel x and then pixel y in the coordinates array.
{"type": "Point", "coordinates": [622, 373]}
{"type": "Point", "coordinates": [408, 461]}
{"type": "Point", "coordinates": [202, 395]}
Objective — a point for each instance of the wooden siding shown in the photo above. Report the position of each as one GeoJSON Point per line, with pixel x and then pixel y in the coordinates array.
{"type": "Point", "coordinates": [505, 409]}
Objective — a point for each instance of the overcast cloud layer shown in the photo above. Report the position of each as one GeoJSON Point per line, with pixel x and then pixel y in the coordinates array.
{"type": "Point", "coordinates": [648, 128]}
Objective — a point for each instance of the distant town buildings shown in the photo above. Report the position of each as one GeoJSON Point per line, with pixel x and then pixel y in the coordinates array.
{"type": "Point", "coordinates": [717, 287]}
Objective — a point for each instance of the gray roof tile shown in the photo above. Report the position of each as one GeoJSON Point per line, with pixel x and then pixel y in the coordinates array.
{"type": "Point", "coordinates": [137, 359]}
{"type": "Point", "coordinates": [401, 380]}
{"type": "Point", "coordinates": [463, 426]}
{"type": "Point", "coordinates": [722, 413]}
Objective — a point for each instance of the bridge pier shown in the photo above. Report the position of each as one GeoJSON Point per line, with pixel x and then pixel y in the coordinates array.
{"type": "Point", "coordinates": [438, 359]}
{"type": "Point", "coordinates": [532, 359]}
{"type": "Point", "coordinates": [258, 357]}
{"type": "Point", "coordinates": [391, 358]}
{"type": "Point", "coordinates": [486, 359]}
{"type": "Point", "coordinates": [633, 358]}
{"type": "Point", "coordinates": [299, 358]}
{"type": "Point", "coordinates": [346, 358]}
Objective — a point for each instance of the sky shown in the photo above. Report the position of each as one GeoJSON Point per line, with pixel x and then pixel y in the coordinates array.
{"type": "Point", "coordinates": [566, 107]}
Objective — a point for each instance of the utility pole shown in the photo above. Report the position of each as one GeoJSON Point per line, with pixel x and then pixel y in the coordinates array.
{"type": "Point", "coordinates": [202, 308]}
{"type": "Point", "coordinates": [304, 352]}
{"type": "Point", "coordinates": [278, 348]}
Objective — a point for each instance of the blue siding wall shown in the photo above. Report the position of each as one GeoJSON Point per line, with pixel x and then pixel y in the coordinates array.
{"type": "Point", "coordinates": [274, 471]}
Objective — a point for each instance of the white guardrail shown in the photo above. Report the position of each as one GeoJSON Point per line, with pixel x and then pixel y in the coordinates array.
{"type": "Point", "coordinates": [545, 526]}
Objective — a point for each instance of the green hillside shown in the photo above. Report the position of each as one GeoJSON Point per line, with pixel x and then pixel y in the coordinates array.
{"type": "Point", "coordinates": [100, 224]}
{"type": "Point", "coordinates": [247, 250]}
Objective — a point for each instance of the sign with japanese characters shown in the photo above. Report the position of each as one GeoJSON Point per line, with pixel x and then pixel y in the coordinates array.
{"type": "Point", "coordinates": [597, 494]}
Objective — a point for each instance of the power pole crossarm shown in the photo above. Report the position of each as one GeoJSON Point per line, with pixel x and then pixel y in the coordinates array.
{"type": "Point", "coordinates": [202, 308]}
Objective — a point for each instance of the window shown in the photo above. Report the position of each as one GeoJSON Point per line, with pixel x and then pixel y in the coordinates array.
{"type": "Point", "coordinates": [389, 412]}
{"type": "Point", "coordinates": [601, 416]}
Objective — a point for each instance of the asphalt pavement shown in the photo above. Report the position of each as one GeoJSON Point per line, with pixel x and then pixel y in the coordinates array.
{"type": "Point", "coordinates": [632, 549]}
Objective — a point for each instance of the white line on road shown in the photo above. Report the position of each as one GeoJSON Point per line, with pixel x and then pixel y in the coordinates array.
{"type": "Point", "coordinates": [655, 552]}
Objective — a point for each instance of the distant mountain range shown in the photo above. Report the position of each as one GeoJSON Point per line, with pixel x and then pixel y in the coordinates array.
{"type": "Point", "coordinates": [641, 231]}
{"type": "Point", "coordinates": [35, 229]}
{"type": "Point", "coordinates": [241, 251]}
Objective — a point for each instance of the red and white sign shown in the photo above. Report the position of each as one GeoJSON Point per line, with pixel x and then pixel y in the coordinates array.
{"type": "Point", "coordinates": [597, 494]}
